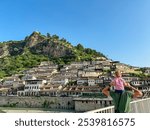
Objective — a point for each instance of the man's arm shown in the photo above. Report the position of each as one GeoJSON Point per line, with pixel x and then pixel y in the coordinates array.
{"type": "Point", "coordinates": [106, 91]}
{"type": "Point", "coordinates": [137, 93]}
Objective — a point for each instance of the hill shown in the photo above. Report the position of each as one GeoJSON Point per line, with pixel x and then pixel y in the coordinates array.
{"type": "Point", "coordinates": [16, 56]}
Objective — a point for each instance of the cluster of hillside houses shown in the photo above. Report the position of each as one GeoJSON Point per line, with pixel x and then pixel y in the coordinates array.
{"type": "Point", "coordinates": [75, 79]}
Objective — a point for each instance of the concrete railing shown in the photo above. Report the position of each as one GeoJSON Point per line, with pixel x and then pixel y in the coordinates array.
{"type": "Point", "coordinates": [140, 106]}
{"type": "Point", "coordinates": [137, 106]}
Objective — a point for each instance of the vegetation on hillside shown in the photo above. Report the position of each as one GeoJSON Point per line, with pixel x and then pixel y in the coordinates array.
{"type": "Point", "coordinates": [16, 64]}
{"type": "Point", "coordinates": [16, 56]}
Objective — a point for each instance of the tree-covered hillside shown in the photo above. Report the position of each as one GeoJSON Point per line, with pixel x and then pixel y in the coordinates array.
{"type": "Point", "coordinates": [16, 56]}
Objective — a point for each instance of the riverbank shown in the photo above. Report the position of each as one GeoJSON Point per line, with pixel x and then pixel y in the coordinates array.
{"type": "Point", "coordinates": [33, 110]}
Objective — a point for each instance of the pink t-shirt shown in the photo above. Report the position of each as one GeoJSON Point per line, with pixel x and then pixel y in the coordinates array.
{"type": "Point", "coordinates": [119, 83]}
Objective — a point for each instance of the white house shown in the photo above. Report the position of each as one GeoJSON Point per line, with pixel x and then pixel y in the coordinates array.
{"type": "Point", "coordinates": [106, 67]}
{"type": "Point", "coordinates": [98, 81]}
{"type": "Point", "coordinates": [140, 83]}
{"type": "Point", "coordinates": [147, 71]}
{"type": "Point", "coordinates": [32, 87]}
{"type": "Point", "coordinates": [96, 62]}
{"type": "Point", "coordinates": [62, 81]}
{"type": "Point", "coordinates": [89, 67]}
{"type": "Point", "coordinates": [129, 78]}
{"type": "Point", "coordinates": [28, 77]}
{"type": "Point", "coordinates": [77, 64]}
{"type": "Point", "coordinates": [91, 82]}
{"type": "Point", "coordinates": [80, 73]}
{"type": "Point", "coordinates": [10, 80]}
{"type": "Point", "coordinates": [82, 81]}
{"type": "Point", "coordinates": [99, 66]}
{"type": "Point", "coordinates": [91, 74]}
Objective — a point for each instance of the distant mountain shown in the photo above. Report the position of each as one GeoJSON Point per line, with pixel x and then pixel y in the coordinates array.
{"type": "Point", "coordinates": [16, 56]}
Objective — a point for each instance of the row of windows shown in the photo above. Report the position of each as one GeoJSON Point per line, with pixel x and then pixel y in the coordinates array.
{"type": "Point", "coordinates": [141, 82]}
{"type": "Point", "coordinates": [32, 87]}
{"type": "Point", "coordinates": [91, 81]}
{"type": "Point", "coordinates": [99, 102]}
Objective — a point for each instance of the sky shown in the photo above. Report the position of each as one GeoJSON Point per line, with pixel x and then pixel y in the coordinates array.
{"type": "Point", "coordinates": [120, 29]}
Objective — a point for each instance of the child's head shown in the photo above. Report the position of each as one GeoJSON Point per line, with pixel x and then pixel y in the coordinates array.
{"type": "Point", "coordinates": [118, 73]}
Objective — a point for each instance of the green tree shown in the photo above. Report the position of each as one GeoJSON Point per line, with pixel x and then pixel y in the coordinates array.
{"type": "Point", "coordinates": [55, 37]}
{"type": "Point", "coordinates": [48, 35]}
{"type": "Point", "coordinates": [80, 47]}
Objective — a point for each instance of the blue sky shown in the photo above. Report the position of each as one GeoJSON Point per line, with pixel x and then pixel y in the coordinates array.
{"type": "Point", "coordinates": [120, 29]}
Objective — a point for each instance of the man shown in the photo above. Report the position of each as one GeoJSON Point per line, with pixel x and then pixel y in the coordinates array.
{"type": "Point", "coordinates": [122, 100]}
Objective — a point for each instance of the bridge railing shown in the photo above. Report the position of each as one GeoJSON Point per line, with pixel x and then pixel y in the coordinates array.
{"type": "Point", "coordinates": [137, 106]}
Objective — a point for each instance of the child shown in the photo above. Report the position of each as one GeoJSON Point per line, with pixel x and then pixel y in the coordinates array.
{"type": "Point", "coordinates": [118, 82]}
